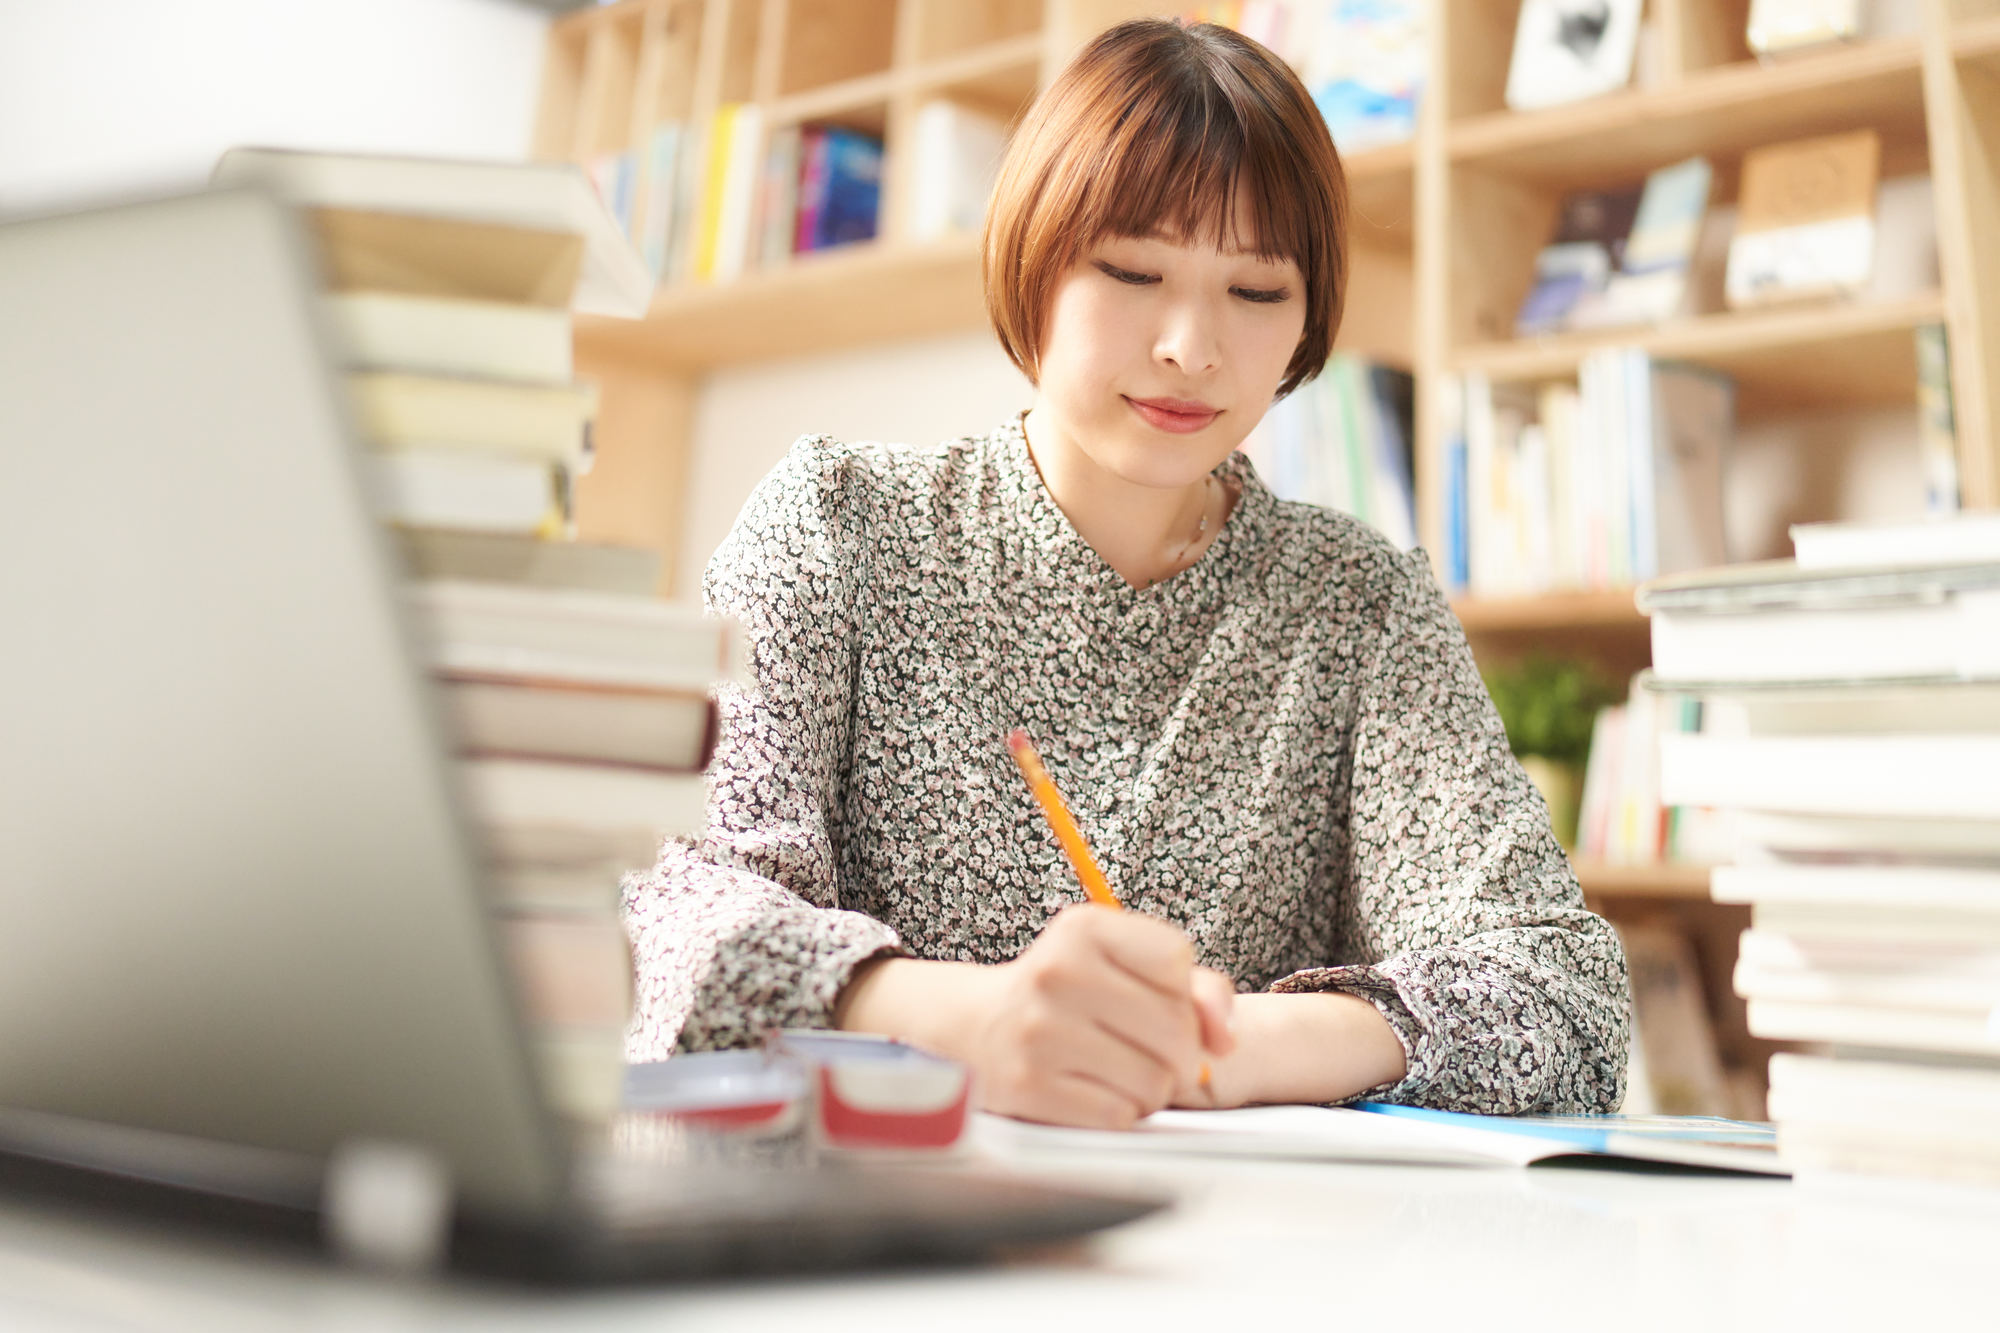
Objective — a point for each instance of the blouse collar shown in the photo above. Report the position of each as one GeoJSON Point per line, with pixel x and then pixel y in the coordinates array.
{"type": "Point", "coordinates": [1065, 558]}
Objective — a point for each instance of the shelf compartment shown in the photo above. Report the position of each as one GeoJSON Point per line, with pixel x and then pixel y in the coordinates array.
{"type": "Point", "coordinates": [1668, 880]}
{"type": "Point", "coordinates": [1719, 113]}
{"type": "Point", "coordinates": [1602, 609]}
{"type": "Point", "coordinates": [833, 41]}
{"type": "Point", "coordinates": [1790, 358]}
{"type": "Point", "coordinates": [1977, 42]}
{"type": "Point", "coordinates": [1381, 194]}
{"type": "Point", "coordinates": [948, 27]}
{"type": "Point", "coordinates": [1001, 77]}
{"type": "Point", "coordinates": [817, 303]}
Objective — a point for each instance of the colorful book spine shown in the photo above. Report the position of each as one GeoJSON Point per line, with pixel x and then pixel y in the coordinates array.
{"type": "Point", "coordinates": [715, 181]}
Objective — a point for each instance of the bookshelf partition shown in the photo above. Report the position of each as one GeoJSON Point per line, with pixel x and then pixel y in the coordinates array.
{"type": "Point", "coordinates": [1446, 231]}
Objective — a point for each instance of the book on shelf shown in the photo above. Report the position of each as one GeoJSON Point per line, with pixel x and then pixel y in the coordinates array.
{"type": "Point", "coordinates": [546, 423]}
{"type": "Point", "coordinates": [840, 188]}
{"type": "Point", "coordinates": [717, 156]}
{"type": "Point", "coordinates": [955, 152]}
{"type": "Point", "coordinates": [777, 206]}
{"type": "Point", "coordinates": [434, 554]}
{"type": "Point", "coordinates": [734, 208]}
{"type": "Point", "coordinates": [656, 204]}
{"type": "Point", "coordinates": [452, 489]}
{"type": "Point", "coordinates": [1650, 283]}
{"type": "Point", "coordinates": [1345, 441]}
{"type": "Point", "coordinates": [1568, 50]}
{"type": "Point", "coordinates": [1805, 220]}
{"type": "Point", "coordinates": [451, 336]}
{"type": "Point", "coordinates": [1617, 479]}
{"type": "Point", "coordinates": [1575, 267]}
{"type": "Point", "coordinates": [1781, 27]}
{"type": "Point", "coordinates": [1953, 539]}
{"type": "Point", "coordinates": [1364, 62]}
{"type": "Point", "coordinates": [1937, 424]}
{"type": "Point", "coordinates": [550, 198]}
{"type": "Point", "coordinates": [615, 177]}
{"type": "Point", "coordinates": [1866, 829]}
{"type": "Point", "coordinates": [1683, 1063]}
{"type": "Point", "coordinates": [1624, 819]}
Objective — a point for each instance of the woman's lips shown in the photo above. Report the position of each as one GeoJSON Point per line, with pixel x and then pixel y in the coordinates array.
{"type": "Point", "coordinates": [1173, 415]}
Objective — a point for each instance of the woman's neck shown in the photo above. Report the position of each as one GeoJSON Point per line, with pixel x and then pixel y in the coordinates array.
{"type": "Point", "coordinates": [1145, 533]}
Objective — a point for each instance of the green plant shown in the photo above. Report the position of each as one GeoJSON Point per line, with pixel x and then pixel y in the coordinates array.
{"type": "Point", "coordinates": [1548, 705]}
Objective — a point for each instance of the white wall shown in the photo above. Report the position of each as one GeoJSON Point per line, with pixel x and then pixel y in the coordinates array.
{"type": "Point", "coordinates": [103, 97]}
{"type": "Point", "coordinates": [908, 393]}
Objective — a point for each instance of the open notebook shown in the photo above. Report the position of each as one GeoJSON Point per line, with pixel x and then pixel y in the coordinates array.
{"type": "Point", "coordinates": [1376, 1132]}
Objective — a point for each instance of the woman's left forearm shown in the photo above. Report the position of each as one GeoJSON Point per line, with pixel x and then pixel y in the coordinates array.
{"type": "Point", "coordinates": [1306, 1048]}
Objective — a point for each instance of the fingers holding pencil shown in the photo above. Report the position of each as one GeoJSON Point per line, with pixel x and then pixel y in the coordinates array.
{"type": "Point", "coordinates": [1173, 964]}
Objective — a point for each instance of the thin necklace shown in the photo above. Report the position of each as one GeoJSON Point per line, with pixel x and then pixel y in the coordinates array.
{"type": "Point", "coordinates": [1180, 556]}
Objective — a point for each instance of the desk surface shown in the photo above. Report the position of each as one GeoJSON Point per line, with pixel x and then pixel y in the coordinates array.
{"type": "Point", "coordinates": [1252, 1242]}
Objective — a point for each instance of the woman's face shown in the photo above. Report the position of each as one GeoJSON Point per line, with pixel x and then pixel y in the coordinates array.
{"type": "Point", "coordinates": [1160, 356]}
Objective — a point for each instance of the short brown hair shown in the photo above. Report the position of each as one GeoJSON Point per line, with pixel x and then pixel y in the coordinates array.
{"type": "Point", "coordinates": [1155, 125]}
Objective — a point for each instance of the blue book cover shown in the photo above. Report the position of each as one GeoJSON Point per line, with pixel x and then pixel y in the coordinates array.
{"type": "Point", "coordinates": [853, 203]}
{"type": "Point", "coordinates": [1601, 1133]}
{"type": "Point", "coordinates": [1457, 548]}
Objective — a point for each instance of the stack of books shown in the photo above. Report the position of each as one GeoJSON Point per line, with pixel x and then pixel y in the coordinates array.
{"type": "Point", "coordinates": [1852, 723]}
{"type": "Point", "coordinates": [578, 703]}
{"type": "Point", "coordinates": [585, 722]}
{"type": "Point", "coordinates": [1612, 482]}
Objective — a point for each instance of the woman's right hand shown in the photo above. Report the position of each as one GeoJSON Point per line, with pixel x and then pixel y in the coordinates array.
{"type": "Point", "coordinates": [1095, 1025]}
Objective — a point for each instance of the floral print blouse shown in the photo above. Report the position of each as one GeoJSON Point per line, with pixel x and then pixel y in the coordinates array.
{"type": "Point", "coordinates": [1284, 749]}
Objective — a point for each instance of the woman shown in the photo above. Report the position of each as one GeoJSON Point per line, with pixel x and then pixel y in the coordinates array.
{"type": "Point", "coordinates": [1264, 716]}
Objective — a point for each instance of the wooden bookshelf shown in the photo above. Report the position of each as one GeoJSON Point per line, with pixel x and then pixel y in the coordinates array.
{"type": "Point", "coordinates": [1445, 233]}
{"type": "Point", "coordinates": [859, 295]}
{"type": "Point", "coordinates": [1719, 112]}
{"type": "Point", "coordinates": [1614, 609]}
{"type": "Point", "coordinates": [1857, 354]}
{"type": "Point", "coordinates": [1649, 882]}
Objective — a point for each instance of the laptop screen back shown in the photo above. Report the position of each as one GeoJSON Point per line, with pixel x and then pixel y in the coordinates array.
{"type": "Point", "coordinates": [236, 901]}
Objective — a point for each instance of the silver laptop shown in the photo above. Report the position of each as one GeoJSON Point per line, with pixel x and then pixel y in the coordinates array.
{"type": "Point", "coordinates": [240, 925]}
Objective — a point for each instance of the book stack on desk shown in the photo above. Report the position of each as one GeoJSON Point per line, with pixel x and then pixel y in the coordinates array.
{"type": "Point", "coordinates": [449, 287]}
{"type": "Point", "coordinates": [578, 704]}
{"type": "Point", "coordinates": [584, 722]}
{"type": "Point", "coordinates": [1853, 726]}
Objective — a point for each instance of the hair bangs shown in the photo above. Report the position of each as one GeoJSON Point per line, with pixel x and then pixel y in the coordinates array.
{"type": "Point", "coordinates": [1187, 163]}
{"type": "Point", "coordinates": [1194, 134]}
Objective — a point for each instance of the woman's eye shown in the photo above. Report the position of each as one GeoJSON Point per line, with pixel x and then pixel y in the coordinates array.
{"type": "Point", "coordinates": [1125, 275]}
{"type": "Point", "coordinates": [1270, 297]}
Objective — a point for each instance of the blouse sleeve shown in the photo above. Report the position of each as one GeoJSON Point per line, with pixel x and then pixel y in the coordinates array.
{"type": "Point", "coordinates": [741, 932]}
{"type": "Point", "coordinates": [1508, 996]}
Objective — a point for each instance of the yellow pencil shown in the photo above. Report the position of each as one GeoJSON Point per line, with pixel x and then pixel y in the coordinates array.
{"type": "Point", "coordinates": [1095, 886]}
{"type": "Point", "coordinates": [1075, 847]}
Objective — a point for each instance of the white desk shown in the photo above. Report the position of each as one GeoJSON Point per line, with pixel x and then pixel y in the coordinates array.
{"type": "Point", "coordinates": [1339, 1247]}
